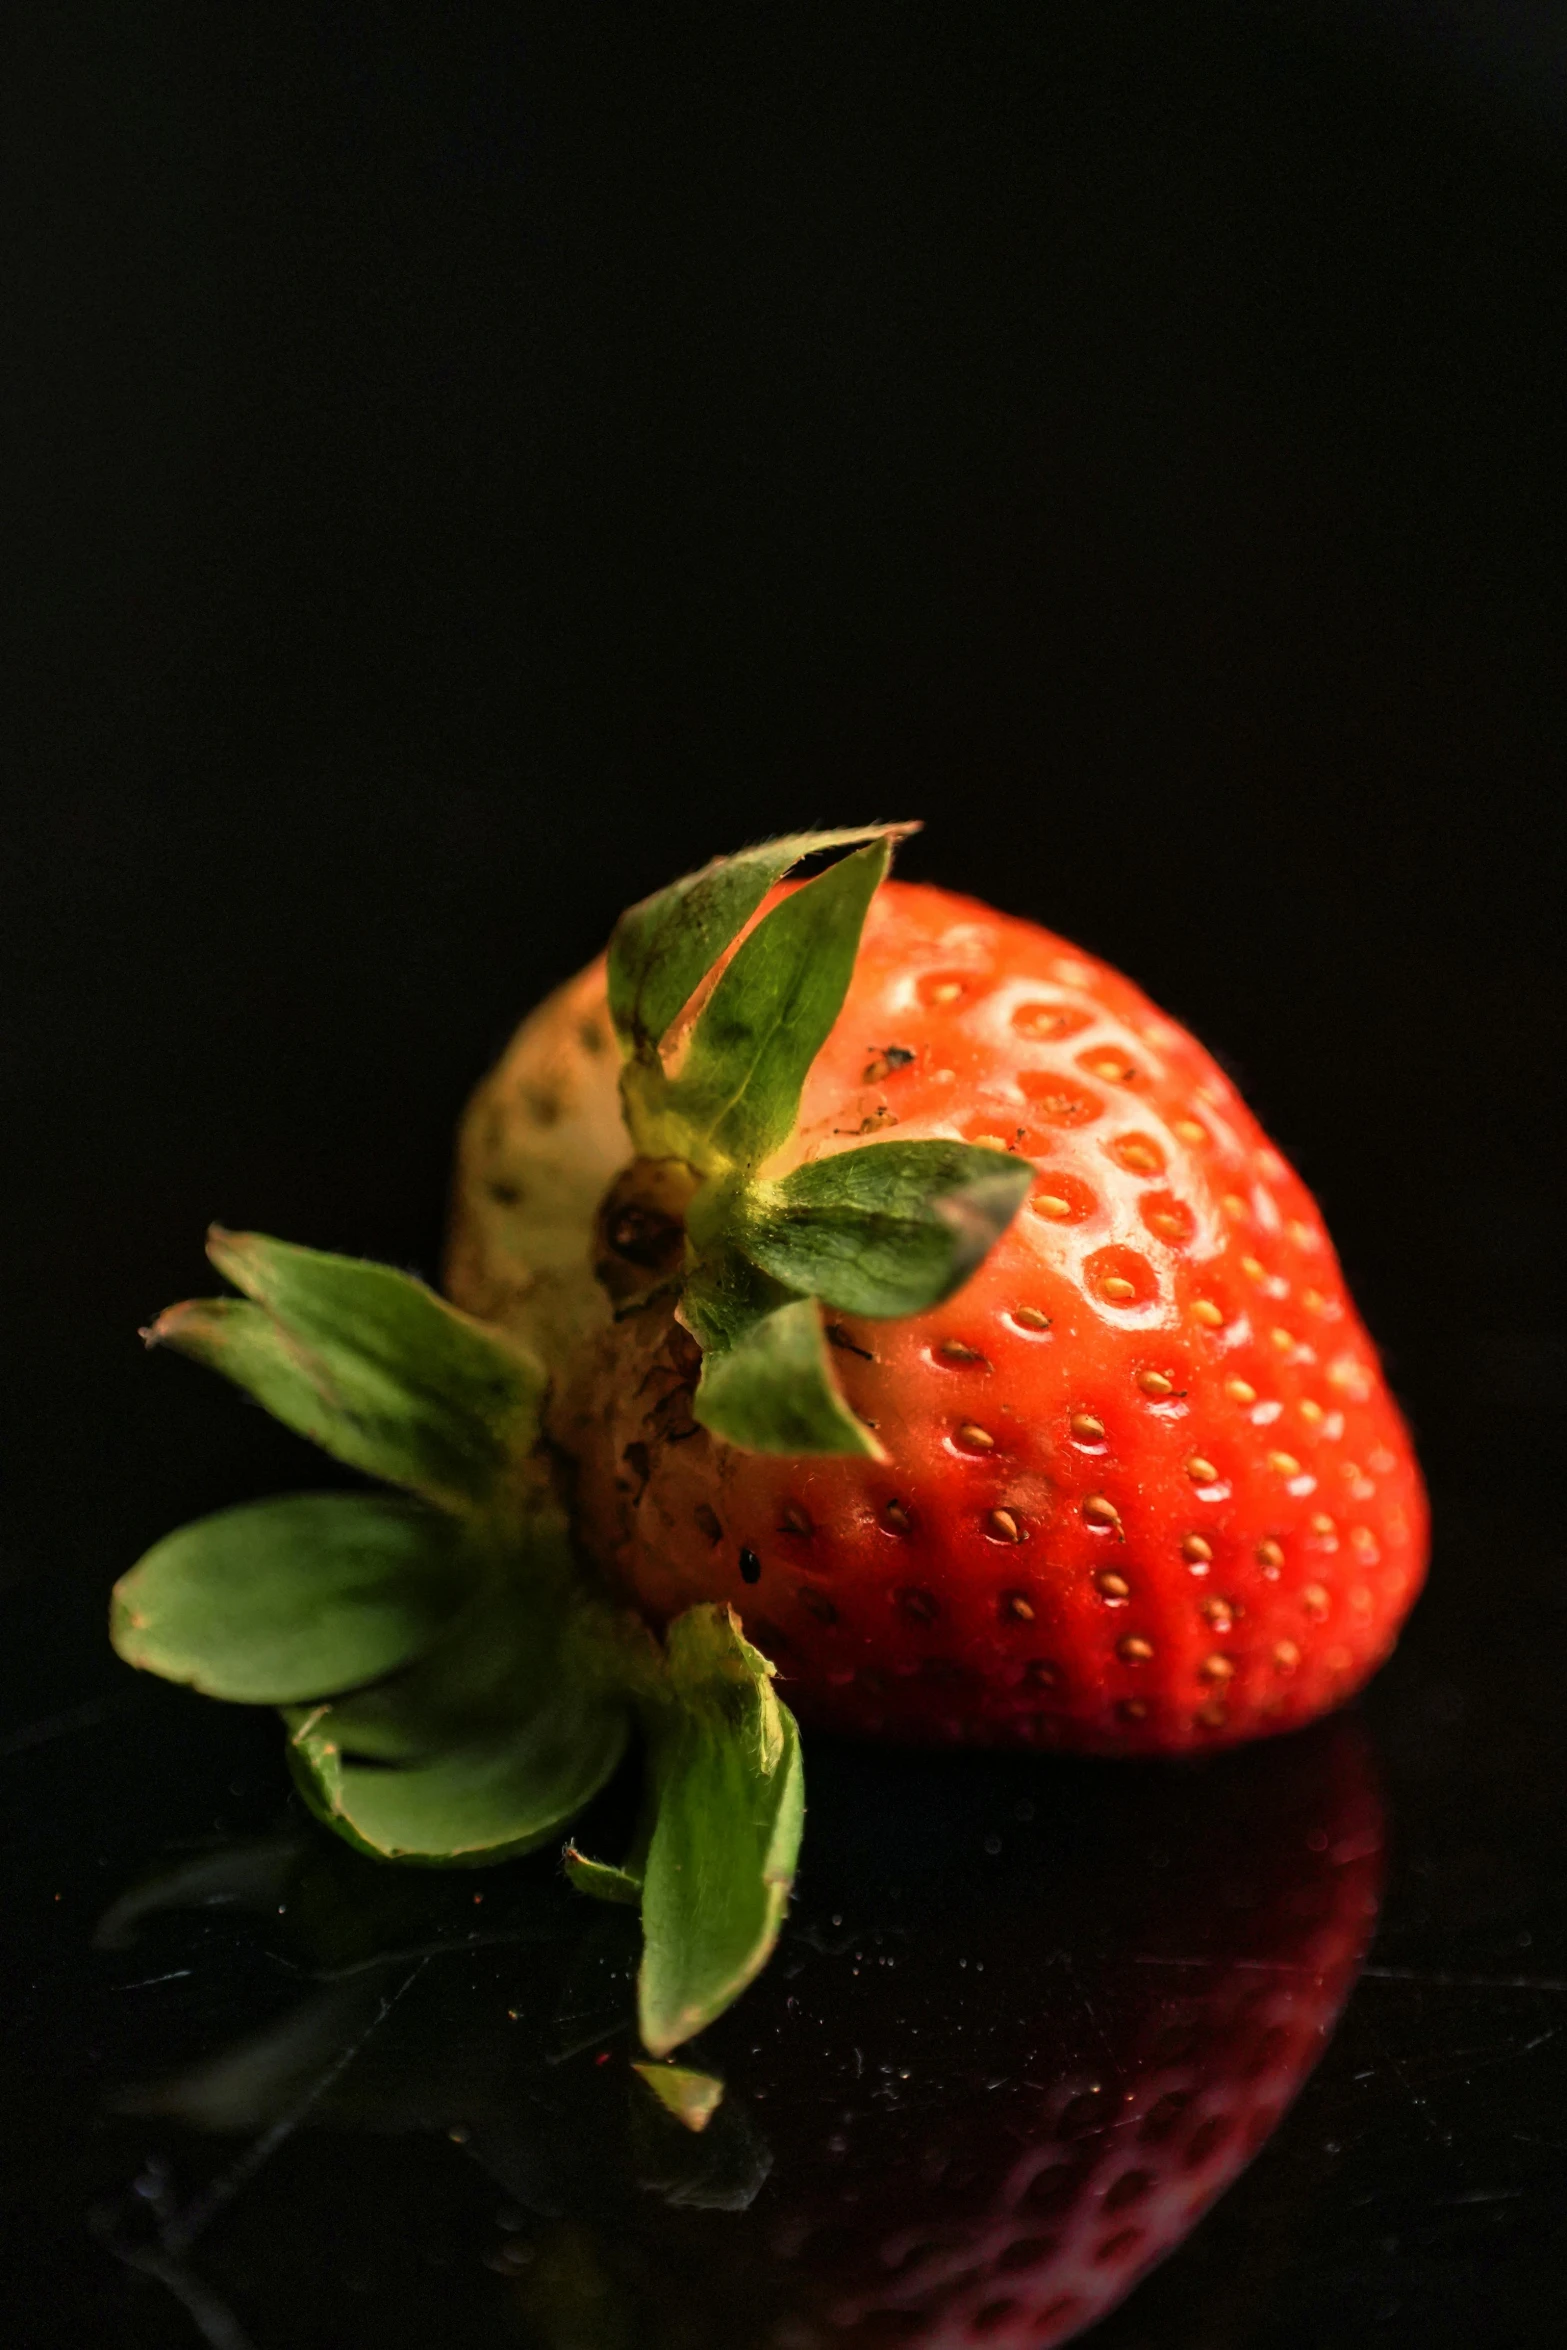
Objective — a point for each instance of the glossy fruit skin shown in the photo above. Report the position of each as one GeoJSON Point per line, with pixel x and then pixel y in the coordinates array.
{"type": "Point", "coordinates": [1145, 1487]}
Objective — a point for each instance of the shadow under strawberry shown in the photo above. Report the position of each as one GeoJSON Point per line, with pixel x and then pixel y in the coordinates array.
{"type": "Point", "coordinates": [1025, 2025]}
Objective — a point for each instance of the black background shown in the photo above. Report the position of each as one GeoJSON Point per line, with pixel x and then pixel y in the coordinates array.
{"type": "Point", "coordinates": [471, 465]}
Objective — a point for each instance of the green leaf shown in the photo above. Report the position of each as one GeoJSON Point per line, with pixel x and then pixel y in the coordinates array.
{"type": "Point", "coordinates": [663, 949]}
{"type": "Point", "coordinates": [774, 1390]}
{"type": "Point", "coordinates": [731, 1804]}
{"type": "Point", "coordinates": [887, 1230]}
{"type": "Point", "coordinates": [296, 1598]}
{"type": "Point", "coordinates": [692, 2097]}
{"type": "Point", "coordinates": [738, 1091]}
{"type": "Point", "coordinates": [601, 1880]}
{"type": "Point", "coordinates": [499, 1656]}
{"type": "Point", "coordinates": [483, 1801]}
{"type": "Point", "coordinates": [368, 1363]}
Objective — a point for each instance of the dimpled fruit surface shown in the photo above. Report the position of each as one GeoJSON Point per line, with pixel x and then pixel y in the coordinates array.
{"type": "Point", "coordinates": [1143, 1487]}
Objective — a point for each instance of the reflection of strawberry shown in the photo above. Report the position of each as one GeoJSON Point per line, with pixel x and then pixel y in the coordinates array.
{"type": "Point", "coordinates": [1007, 2059]}
{"type": "Point", "coordinates": [999, 2157]}
{"type": "Point", "coordinates": [1144, 1486]}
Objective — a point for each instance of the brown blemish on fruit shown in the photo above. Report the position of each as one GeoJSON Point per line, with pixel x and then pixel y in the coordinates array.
{"type": "Point", "coordinates": [1099, 1510]}
{"type": "Point", "coordinates": [1315, 1601]}
{"type": "Point", "coordinates": [1240, 1391]}
{"type": "Point", "coordinates": [1286, 1656]}
{"type": "Point", "coordinates": [1015, 1608]}
{"type": "Point", "coordinates": [922, 1607]}
{"type": "Point", "coordinates": [1029, 1318]}
{"type": "Point", "coordinates": [1112, 1586]}
{"type": "Point", "coordinates": [1196, 1552]}
{"type": "Point", "coordinates": [1060, 1101]}
{"type": "Point", "coordinates": [1134, 1650]}
{"type": "Point", "coordinates": [1200, 1471]}
{"type": "Point", "coordinates": [1086, 1429]}
{"type": "Point", "coordinates": [882, 1063]}
{"type": "Point", "coordinates": [1270, 1557]}
{"type": "Point", "coordinates": [707, 1519]}
{"type": "Point", "coordinates": [839, 1337]}
{"type": "Point", "coordinates": [895, 1516]}
{"type": "Point", "coordinates": [1002, 1526]}
{"type": "Point", "coordinates": [974, 1438]}
{"type": "Point", "coordinates": [1204, 1310]}
{"type": "Point", "coordinates": [1155, 1383]}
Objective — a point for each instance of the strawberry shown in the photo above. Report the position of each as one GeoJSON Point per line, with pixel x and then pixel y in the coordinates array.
{"type": "Point", "coordinates": [856, 1290]}
{"type": "Point", "coordinates": [1141, 1484]}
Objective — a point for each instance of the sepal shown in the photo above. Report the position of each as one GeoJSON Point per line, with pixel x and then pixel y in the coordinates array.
{"type": "Point", "coordinates": [368, 1363]}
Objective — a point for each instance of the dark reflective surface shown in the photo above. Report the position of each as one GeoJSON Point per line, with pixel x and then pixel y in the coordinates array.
{"type": "Point", "coordinates": [475, 465]}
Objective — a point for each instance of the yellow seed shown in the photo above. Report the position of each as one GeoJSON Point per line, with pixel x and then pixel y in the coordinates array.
{"type": "Point", "coordinates": [1207, 1313]}
{"type": "Point", "coordinates": [1321, 1523]}
{"type": "Point", "coordinates": [1194, 1548]}
{"type": "Point", "coordinates": [1155, 1383]}
{"type": "Point", "coordinates": [1030, 1318]}
{"type": "Point", "coordinates": [1133, 1709]}
{"type": "Point", "coordinates": [1112, 1586]}
{"type": "Point", "coordinates": [990, 1142]}
{"type": "Point", "coordinates": [1133, 1651]}
{"type": "Point", "coordinates": [1339, 1660]}
{"type": "Point", "coordinates": [1139, 1157]}
{"type": "Point", "coordinates": [897, 1517]}
{"type": "Point", "coordinates": [1004, 1526]}
{"type": "Point", "coordinates": [1283, 1340]}
{"type": "Point", "coordinates": [1201, 1472]}
{"type": "Point", "coordinates": [1212, 1716]}
{"type": "Point", "coordinates": [1048, 1203]}
{"type": "Point", "coordinates": [1216, 1668]}
{"type": "Point", "coordinates": [1315, 1601]}
{"type": "Point", "coordinates": [1117, 1289]}
{"type": "Point", "coordinates": [976, 1438]}
{"type": "Point", "coordinates": [1100, 1511]}
{"type": "Point", "coordinates": [1286, 1655]}
{"type": "Point", "coordinates": [1167, 1224]}
{"type": "Point", "coordinates": [1016, 1606]}
{"type": "Point", "coordinates": [953, 1350]}
{"type": "Point", "coordinates": [1313, 1301]}
{"type": "Point", "coordinates": [946, 991]}
{"type": "Point", "coordinates": [1285, 1463]}
{"type": "Point", "coordinates": [1087, 1429]}
{"type": "Point", "coordinates": [1234, 1205]}
{"type": "Point", "coordinates": [1270, 1557]}
{"type": "Point", "coordinates": [1219, 1614]}
{"type": "Point", "coordinates": [1254, 1268]}
{"type": "Point", "coordinates": [1360, 1600]}
{"type": "Point", "coordinates": [1311, 1411]}
{"type": "Point", "coordinates": [1189, 1130]}
{"type": "Point", "coordinates": [1240, 1391]}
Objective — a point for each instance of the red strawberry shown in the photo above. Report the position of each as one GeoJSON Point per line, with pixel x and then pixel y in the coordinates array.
{"type": "Point", "coordinates": [1144, 1485]}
